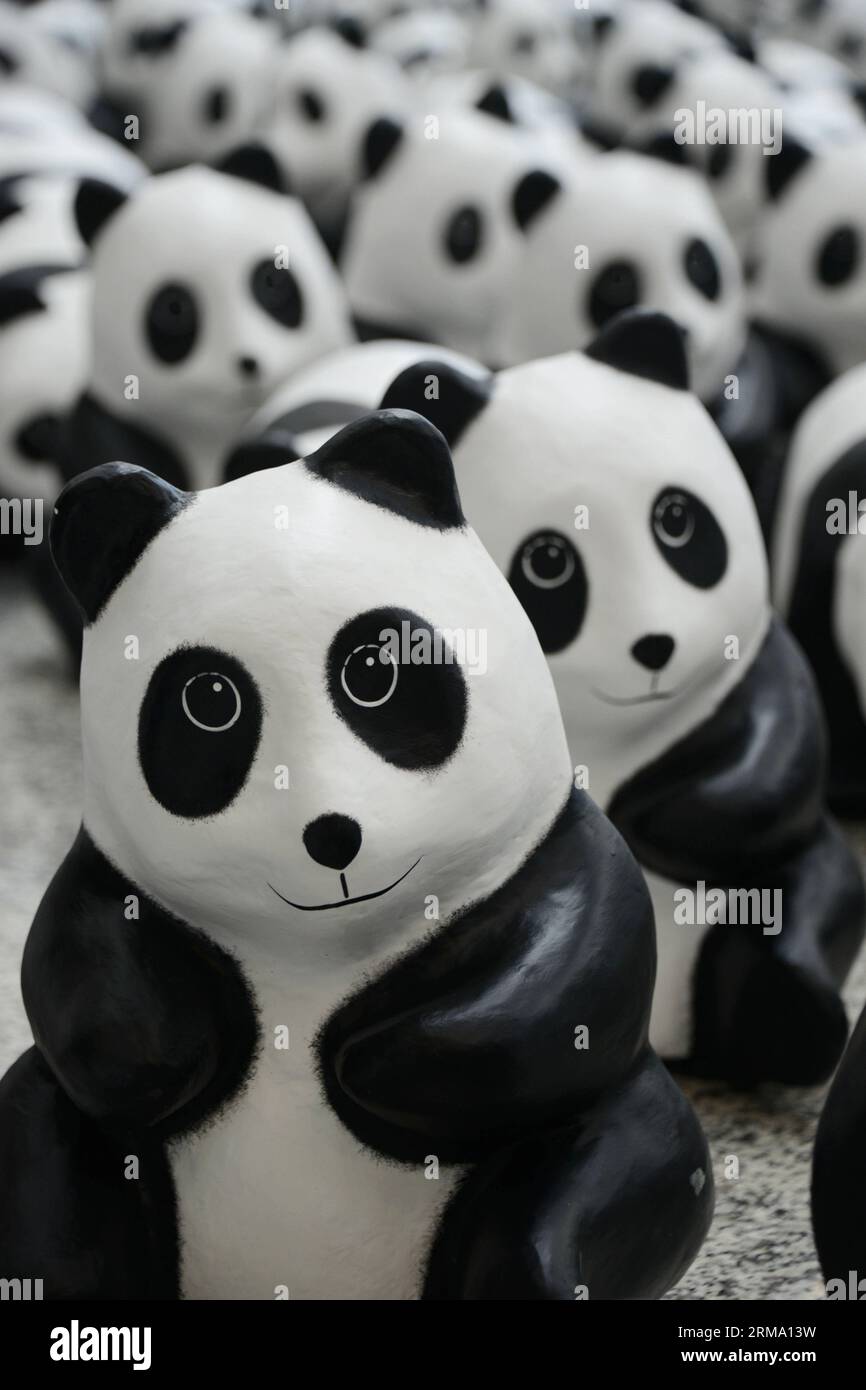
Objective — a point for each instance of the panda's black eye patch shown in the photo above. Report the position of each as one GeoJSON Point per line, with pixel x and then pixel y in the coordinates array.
{"type": "Point", "coordinates": [720, 159]}
{"type": "Point", "coordinates": [278, 292]}
{"type": "Point", "coordinates": [198, 731]}
{"type": "Point", "coordinates": [849, 45]}
{"type": "Point", "coordinates": [311, 105]}
{"type": "Point", "coordinates": [838, 256]}
{"type": "Point", "coordinates": [702, 268]}
{"type": "Point", "coordinates": [523, 43]}
{"type": "Point", "coordinates": [403, 694]}
{"type": "Point", "coordinates": [463, 234]}
{"type": "Point", "coordinates": [688, 537]}
{"type": "Point", "coordinates": [172, 323]}
{"type": "Point", "coordinates": [548, 577]}
{"type": "Point", "coordinates": [8, 62]}
{"type": "Point", "coordinates": [39, 439]}
{"type": "Point", "coordinates": [216, 105]}
{"type": "Point", "coordinates": [615, 287]}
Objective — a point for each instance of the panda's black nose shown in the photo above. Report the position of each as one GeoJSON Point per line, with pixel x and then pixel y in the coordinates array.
{"type": "Point", "coordinates": [654, 651]}
{"type": "Point", "coordinates": [333, 840]}
{"type": "Point", "coordinates": [248, 366]}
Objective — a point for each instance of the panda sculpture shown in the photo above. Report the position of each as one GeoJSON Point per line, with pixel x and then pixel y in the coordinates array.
{"type": "Point", "coordinates": [685, 701]}
{"type": "Point", "coordinates": [208, 290]}
{"type": "Point", "coordinates": [838, 1204]}
{"type": "Point", "coordinates": [819, 570]}
{"type": "Point", "coordinates": [437, 228]}
{"type": "Point", "coordinates": [624, 231]}
{"type": "Point", "coordinates": [366, 998]}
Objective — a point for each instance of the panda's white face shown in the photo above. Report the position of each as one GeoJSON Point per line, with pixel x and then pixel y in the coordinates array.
{"type": "Point", "coordinates": [327, 95]}
{"type": "Point", "coordinates": [811, 256]}
{"type": "Point", "coordinates": [635, 57]}
{"type": "Point", "coordinates": [210, 291]}
{"type": "Point", "coordinates": [43, 367]}
{"type": "Point", "coordinates": [636, 600]}
{"type": "Point", "coordinates": [200, 83]}
{"type": "Point", "coordinates": [836, 26]}
{"type": "Point", "coordinates": [259, 767]}
{"type": "Point", "coordinates": [30, 53]}
{"type": "Point", "coordinates": [443, 270]}
{"type": "Point", "coordinates": [628, 231]}
{"type": "Point", "coordinates": [530, 41]}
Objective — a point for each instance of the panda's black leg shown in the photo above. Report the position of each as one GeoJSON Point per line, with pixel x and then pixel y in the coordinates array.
{"type": "Point", "coordinates": [91, 1216]}
{"type": "Point", "coordinates": [615, 1207]}
{"type": "Point", "coordinates": [767, 1005]}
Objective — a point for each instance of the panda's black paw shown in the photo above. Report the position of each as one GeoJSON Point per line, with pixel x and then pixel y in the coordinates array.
{"type": "Point", "coordinates": [760, 1017]}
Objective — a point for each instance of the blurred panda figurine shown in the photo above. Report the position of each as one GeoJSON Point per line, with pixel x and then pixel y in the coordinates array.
{"type": "Point", "coordinates": [229, 291]}
{"type": "Point", "coordinates": [686, 702]}
{"type": "Point", "coordinates": [424, 948]}
{"type": "Point", "coordinates": [437, 228]}
{"type": "Point", "coordinates": [819, 570]}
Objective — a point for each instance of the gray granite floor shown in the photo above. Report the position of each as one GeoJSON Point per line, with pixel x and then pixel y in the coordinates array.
{"type": "Point", "coordinates": [760, 1246]}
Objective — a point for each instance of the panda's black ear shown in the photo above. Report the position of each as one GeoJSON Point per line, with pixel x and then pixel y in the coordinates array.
{"type": "Point", "coordinates": [396, 460]}
{"type": "Point", "coordinates": [645, 343]}
{"type": "Point", "coordinates": [664, 145]}
{"type": "Point", "coordinates": [96, 203]}
{"type": "Point", "coordinates": [602, 26]}
{"type": "Point", "coordinates": [103, 522]}
{"type": "Point", "coordinates": [350, 30]}
{"type": "Point", "coordinates": [255, 163]}
{"type": "Point", "coordinates": [271, 450]}
{"type": "Point", "coordinates": [379, 143]}
{"type": "Point", "coordinates": [494, 102]}
{"type": "Point", "coordinates": [531, 195]}
{"type": "Point", "coordinates": [456, 400]}
{"type": "Point", "coordinates": [785, 165]}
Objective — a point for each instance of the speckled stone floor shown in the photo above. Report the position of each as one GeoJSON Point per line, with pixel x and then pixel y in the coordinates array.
{"type": "Point", "coordinates": [760, 1246]}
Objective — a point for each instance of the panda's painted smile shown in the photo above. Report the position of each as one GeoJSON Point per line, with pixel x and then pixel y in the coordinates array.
{"type": "Point", "coordinates": [346, 901]}
{"type": "Point", "coordinates": [635, 699]}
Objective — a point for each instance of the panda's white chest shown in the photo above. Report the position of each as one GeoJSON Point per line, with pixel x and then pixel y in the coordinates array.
{"type": "Point", "coordinates": [276, 1198]}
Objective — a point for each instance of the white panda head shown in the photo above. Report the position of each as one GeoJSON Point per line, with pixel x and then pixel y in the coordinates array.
{"type": "Point", "coordinates": [626, 231]}
{"type": "Point", "coordinates": [199, 81]}
{"type": "Point", "coordinates": [275, 763]}
{"type": "Point", "coordinates": [424, 42]}
{"type": "Point", "coordinates": [604, 492]}
{"type": "Point", "coordinates": [636, 52]}
{"type": "Point", "coordinates": [327, 95]}
{"type": "Point", "coordinates": [35, 54]}
{"type": "Point", "coordinates": [836, 27]}
{"type": "Point", "coordinates": [810, 254]}
{"type": "Point", "coordinates": [44, 342]}
{"type": "Point", "coordinates": [209, 290]}
{"type": "Point", "coordinates": [434, 233]}
{"type": "Point", "coordinates": [529, 41]}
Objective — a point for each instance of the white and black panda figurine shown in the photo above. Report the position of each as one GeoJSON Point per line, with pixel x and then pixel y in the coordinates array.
{"type": "Point", "coordinates": [838, 1161]}
{"type": "Point", "coordinates": [600, 486]}
{"type": "Point", "coordinates": [332, 904]}
{"type": "Point", "coordinates": [208, 291]}
{"type": "Point", "coordinates": [473, 187]}
{"type": "Point", "coordinates": [819, 570]}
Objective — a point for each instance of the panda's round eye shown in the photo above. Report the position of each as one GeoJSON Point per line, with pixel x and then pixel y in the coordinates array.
{"type": "Point", "coordinates": [172, 323]}
{"type": "Point", "coordinates": [463, 234]}
{"type": "Point", "coordinates": [616, 287]}
{"type": "Point", "coordinates": [39, 439]}
{"type": "Point", "coordinates": [310, 104]}
{"type": "Point", "coordinates": [216, 105]}
{"type": "Point", "coordinates": [278, 292]}
{"type": "Point", "coordinates": [548, 561]}
{"type": "Point", "coordinates": [8, 62]}
{"type": "Point", "coordinates": [548, 577]}
{"type": "Point", "coordinates": [673, 519]}
{"type": "Point", "coordinates": [198, 731]}
{"type": "Point", "coordinates": [369, 675]}
{"type": "Point", "coordinates": [702, 268]}
{"type": "Point", "coordinates": [720, 160]}
{"type": "Point", "coordinates": [689, 538]}
{"type": "Point", "coordinates": [211, 701]}
{"type": "Point", "coordinates": [838, 256]}
{"type": "Point", "coordinates": [523, 43]}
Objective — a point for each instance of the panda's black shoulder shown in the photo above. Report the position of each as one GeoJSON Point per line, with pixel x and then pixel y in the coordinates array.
{"type": "Point", "coordinates": [93, 435]}
{"type": "Point", "coordinates": [142, 1018]}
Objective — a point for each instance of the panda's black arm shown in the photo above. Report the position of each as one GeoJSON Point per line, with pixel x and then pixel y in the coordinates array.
{"type": "Point", "coordinates": [473, 1038]}
{"type": "Point", "coordinates": [745, 789]}
{"type": "Point", "coordinates": [142, 1020]}
{"type": "Point", "coordinates": [92, 435]}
